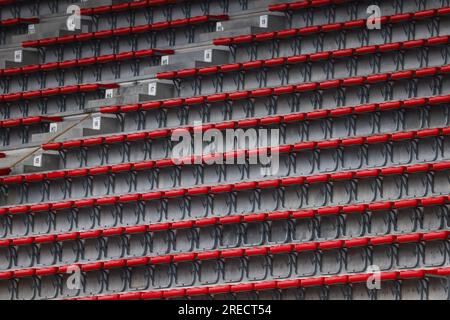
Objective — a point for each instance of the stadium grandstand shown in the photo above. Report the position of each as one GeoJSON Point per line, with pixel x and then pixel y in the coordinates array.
{"type": "Point", "coordinates": [224, 150]}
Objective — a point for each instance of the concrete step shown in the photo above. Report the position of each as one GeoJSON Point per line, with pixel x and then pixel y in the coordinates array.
{"type": "Point", "coordinates": [18, 57]}
{"type": "Point", "coordinates": [54, 27]}
{"type": "Point", "coordinates": [55, 130]}
{"type": "Point", "coordinates": [41, 162]}
{"type": "Point", "coordinates": [128, 94]}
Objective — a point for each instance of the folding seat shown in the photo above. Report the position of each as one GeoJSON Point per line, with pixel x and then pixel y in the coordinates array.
{"type": "Point", "coordinates": [166, 24]}
{"type": "Point", "coordinates": [169, 75]}
{"type": "Point", "coordinates": [11, 123]}
{"type": "Point", "coordinates": [18, 21]}
{"type": "Point", "coordinates": [400, 75]}
{"type": "Point", "coordinates": [289, 8]}
{"type": "Point", "coordinates": [86, 61]}
{"type": "Point", "coordinates": [103, 34]}
{"type": "Point", "coordinates": [12, 71]}
{"type": "Point", "coordinates": [390, 47]}
{"type": "Point", "coordinates": [24, 273]}
{"type": "Point", "coordinates": [50, 66]}
{"type": "Point", "coordinates": [141, 28]}
{"type": "Point", "coordinates": [318, 115]}
{"type": "Point", "coordinates": [120, 7]}
{"type": "Point", "coordinates": [223, 41]}
{"type": "Point", "coordinates": [255, 65]}
{"type": "Point", "coordinates": [72, 144]}
{"type": "Point", "coordinates": [309, 30]}
{"type": "Point", "coordinates": [65, 39]}
{"type": "Point", "coordinates": [30, 44]}
{"type": "Point", "coordinates": [330, 84]}
{"type": "Point", "coordinates": [408, 242]}
{"type": "Point", "coordinates": [312, 282]}
{"type": "Point", "coordinates": [47, 42]}
{"type": "Point", "coordinates": [148, 53]}
{"type": "Point", "coordinates": [314, 57]}
{"type": "Point", "coordinates": [187, 73]}
{"type": "Point", "coordinates": [122, 31]}
{"type": "Point", "coordinates": [279, 7]}
{"type": "Point", "coordinates": [439, 40]}
{"type": "Point", "coordinates": [266, 36]}
{"type": "Point", "coordinates": [31, 68]}
{"type": "Point", "coordinates": [219, 97]}
{"type": "Point", "coordinates": [11, 97]}
{"type": "Point", "coordinates": [387, 241]}
{"type": "Point", "coordinates": [136, 5]}
{"type": "Point", "coordinates": [174, 293]}
{"type": "Point", "coordinates": [354, 24]}
{"type": "Point", "coordinates": [83, 37]}
{"type": "Point", "coordinates": [245, 287]}
{"type": "Point", "coordinates": [417, 276]}
{"type": "Point", "coordinates": [101, 9]}
{"type": "Point", "coordinates": [50, 92]}
{"type": "Point", "coordinates": [124, 56]}
{"type": "Point", "coordinates": [105, 59]}
{"type": "Point", "coordinates": [336, 280]}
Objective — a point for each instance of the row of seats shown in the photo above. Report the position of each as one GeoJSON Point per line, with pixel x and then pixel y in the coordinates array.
{"type": "Point", "coordinates": [337, 145]}
{"type": "Point", "coordinates": [222, 188]}
{"type": "Point", "coordinates": [233, 233]}
{"type": "Point", "coordinates": [84, 144]}
{"type": "Point", "coordinates": [103, 9]}
{"type": "Point", "coordinates": [104, 209]}
{"type": "Point", "coordinates": [199, 234]}
{"type": "Point", "coordinates": [278, 120]}
{"type": "Point", "coordinates": [128, 31]}
{"type": "Point", "coordinates": [138, 113]}
{"type": "Point", "coordinates": [15, 130]}
{"type": "Point", "coordinates": [15, 26]}
{"type": "Point", "coordinates": [282, 285]}
{"type": "Point", "coordinates": [303, 59]}
{"type": "Point", "coordinates": [317, 30]}
{"type": "Point", "coordinates": [285, 103]}
{"type": "Point", "coordinates": [83, 62]}
{"type": "Point", "coordinates": [241, 154]}
{"type": "Point", "coordinates": [227, 220]}
{"type": "Point", "coordinates": [288, 89]}
{"type": "Point", "coordinates": [249, 123]}
{"type": "Point", "coordinates": [321, 246]}
{"type": "Point", "coordinates": [51, 92]}
{"type": "Point", "coordinates": [389, 240]}
{"type": "Point", "coordinates": [9, 2]}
